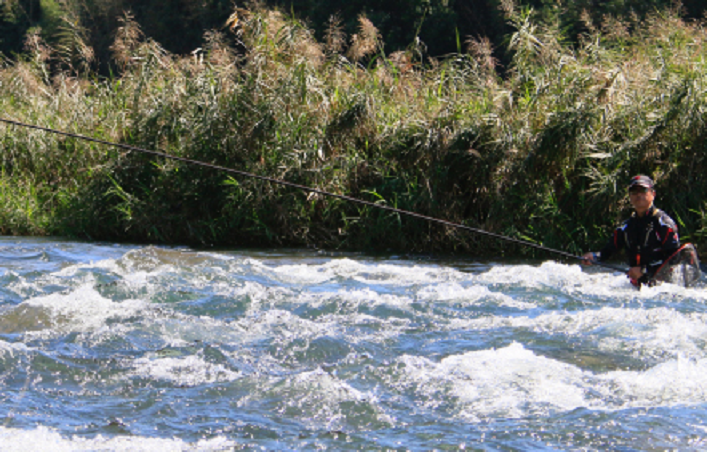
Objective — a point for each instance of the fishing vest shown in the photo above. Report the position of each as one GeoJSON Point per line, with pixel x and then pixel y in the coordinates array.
{"type": "Point", "coordinates": [648, 240]}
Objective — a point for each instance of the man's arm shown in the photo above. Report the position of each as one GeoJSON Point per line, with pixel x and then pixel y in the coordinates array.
{"type": "Point", "coordinates": [615, 242]}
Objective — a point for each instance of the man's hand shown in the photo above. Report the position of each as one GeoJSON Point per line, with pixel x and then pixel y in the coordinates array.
{"type": "Point", "coordinates": [635, 273]}
{"type": "Point", "coordinates": [588, 258]}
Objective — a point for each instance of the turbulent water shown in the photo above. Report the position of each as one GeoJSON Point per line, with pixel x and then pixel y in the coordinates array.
{"type": "Point", "coordinates": [115, 347]}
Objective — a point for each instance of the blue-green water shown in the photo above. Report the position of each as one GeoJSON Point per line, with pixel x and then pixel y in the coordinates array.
{"type": "Point", "coordinates": [114, 347]}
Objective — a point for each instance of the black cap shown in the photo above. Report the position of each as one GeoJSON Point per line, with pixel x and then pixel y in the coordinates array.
{"type": "Point", "coordinates": [641, 181]}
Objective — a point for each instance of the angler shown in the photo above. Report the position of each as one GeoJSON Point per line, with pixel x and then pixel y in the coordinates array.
{"type": "Point", "coordinates": [649, 236]}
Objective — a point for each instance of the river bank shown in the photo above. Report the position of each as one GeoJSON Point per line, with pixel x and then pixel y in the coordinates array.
{"type": "Point", "coordinates": [541, 154]}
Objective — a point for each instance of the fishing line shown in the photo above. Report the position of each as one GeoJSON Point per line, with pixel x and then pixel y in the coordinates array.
{"type": "Point", "coordinates": [314, 190]}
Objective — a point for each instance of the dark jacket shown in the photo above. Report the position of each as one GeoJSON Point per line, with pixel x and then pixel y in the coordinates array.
{"type": "Point", "coordinates": [648, 240]}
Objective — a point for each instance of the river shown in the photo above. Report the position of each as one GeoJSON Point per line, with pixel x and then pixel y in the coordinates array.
{"type": "Point", "coordinates": [126, 347]}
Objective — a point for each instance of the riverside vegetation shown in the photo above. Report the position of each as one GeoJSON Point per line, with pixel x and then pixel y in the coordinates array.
{"type": "Point", "coordinates": [542, 152]}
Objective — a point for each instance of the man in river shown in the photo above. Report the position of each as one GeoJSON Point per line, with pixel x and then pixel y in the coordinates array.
{"type": "Point", "coordinates": [649, 236]}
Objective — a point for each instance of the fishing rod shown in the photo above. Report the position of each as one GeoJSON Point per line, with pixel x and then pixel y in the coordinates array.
{"type": "Point", "coordinates": [316, 191]}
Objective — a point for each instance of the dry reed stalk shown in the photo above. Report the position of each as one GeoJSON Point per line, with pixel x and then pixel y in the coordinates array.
{"type": "Point", "coordinates": [35, 46]}
{"type": "Point", "coordinates": [220, 54]}
{"type": "Point", "coordinates": [127, 40]}
{"type": "Point", "coordinates": [25, 79]}
{"type": "Point", "coordinates": [483, 52]}
{"type": "Point", "coordinates": [334, 36]}
{"type": "Point", "coordinates": [366, 42]}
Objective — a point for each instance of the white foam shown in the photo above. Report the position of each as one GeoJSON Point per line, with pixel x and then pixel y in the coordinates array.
{"type": "Point", "coordinates": [514, 382]}
{"type": "Point", "coordinates": [351, 300]}
{"type": "Point", "coordinates": [577, 280]}
{"type": "Point", "coordinates": [547, 274]}
{"type": "Point", "coordinates": [386, 274]}
{"type": "Point", "coordinates": [645, 333]}
{"type": "Point", "coordinates": [187, 371]}
{"type": "Point", "coordinates": [476, 295]}
{"type": "Point", "coordinates": [675, 382]}
{"type": "Point", "coordinates": [12, 348]}
{"type": "Point", "coordinates": [83, 309]}
{"type": "Point", "coordinates": [44, 438]}
{"type": "Point", "coordinates": [508, 382]}
{"type": "Point", "coordinates": [285, 325]}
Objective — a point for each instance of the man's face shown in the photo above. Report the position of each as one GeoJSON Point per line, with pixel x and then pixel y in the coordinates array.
{"type": "Point", "coordinates": [641, 198]}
